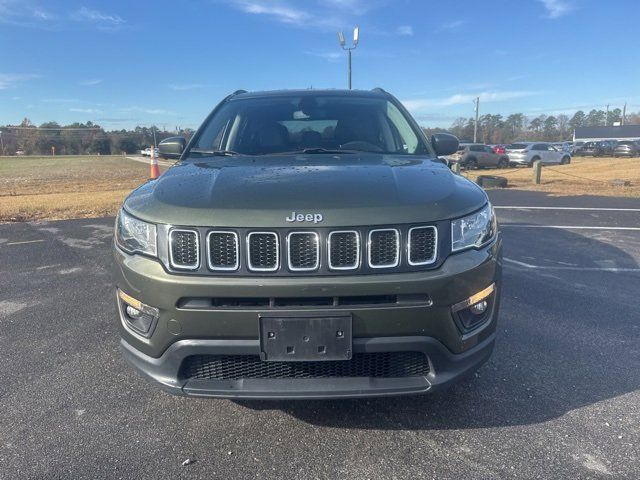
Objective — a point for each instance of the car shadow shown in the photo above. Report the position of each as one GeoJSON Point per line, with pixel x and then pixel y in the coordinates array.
{"type": "Point", "coordinates": [565, 341]}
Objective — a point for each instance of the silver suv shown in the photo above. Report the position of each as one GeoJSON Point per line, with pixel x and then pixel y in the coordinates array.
{"type": "Point", "coordinates": [525, 153]}
{"type": "Point", "coordinates": [476, 155]}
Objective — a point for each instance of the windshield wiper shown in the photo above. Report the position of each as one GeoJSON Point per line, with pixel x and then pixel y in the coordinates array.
{"type": "Point", "coordinates": [215, 153]}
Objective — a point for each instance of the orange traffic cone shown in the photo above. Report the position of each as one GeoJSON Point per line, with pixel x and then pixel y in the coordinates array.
{"type": "Point", "coordinates": [155, 170]}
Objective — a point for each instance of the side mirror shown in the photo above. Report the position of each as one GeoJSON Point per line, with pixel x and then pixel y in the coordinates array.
{"type": "Point", "coordinates": [444, 143]}
{"type": "Point", "coordinates": [172, 147]}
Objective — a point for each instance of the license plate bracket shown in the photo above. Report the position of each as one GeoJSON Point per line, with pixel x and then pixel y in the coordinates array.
{"type": "Point", "coordinates": [303, 339]}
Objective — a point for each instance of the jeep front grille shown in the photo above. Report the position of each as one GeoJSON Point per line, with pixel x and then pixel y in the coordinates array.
{"type": "Point", "coordinates": [367, 365]}
{"type": "Point", "coordinates": [317, 251]}
{"type": "Point", "coordinates": [223, 250]}
{"type": "Point", "coordinates": [263, 251]}
{"type": "Point", "coordinates": [184, 250]}
{"type": "Point", "coordinates": [344, 250]}
{"type": "Point", "coordinates": [384, 248]}
{"type": "Point", "coordinates": [422, 245]}
{"type": "Point", "coordinates": [303, 251]}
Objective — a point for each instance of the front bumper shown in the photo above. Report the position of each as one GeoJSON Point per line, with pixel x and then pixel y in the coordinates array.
{"type": "Point", "coordinates": [428, 328]}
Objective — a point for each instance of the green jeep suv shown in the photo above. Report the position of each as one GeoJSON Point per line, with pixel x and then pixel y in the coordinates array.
{"type": "Point", "coordinates": [307, 244]}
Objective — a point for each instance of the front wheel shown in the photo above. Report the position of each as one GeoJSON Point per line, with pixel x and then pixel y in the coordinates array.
{"type": "Point", "coordinates": [472, 164]}
{"type": "Point", "coordinates": [565, 161]}
{"type": "Point", "coordinates": [503, 163]}
{"type": "Point", "coordinates": [534, 159]}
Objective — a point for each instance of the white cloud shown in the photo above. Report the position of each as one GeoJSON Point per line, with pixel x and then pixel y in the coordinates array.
{"type": "Point", "coordinates": [462, 98]}
{"type": "Point", "coordinates": [557, 8]}
{"type": "Point", "coordinates": [185, 86]}
{"type": "Point", "coordinates": [8, 80]}
{"type": "Point", "coordinates": [453, 25]}
{"type": "Point", "coordinates": [404, 30]}
{"type": "Point", "coordinates": [102, 20]}
{"type": "Point", "coordinates": [281, 12]}
{"type": "Point", "coordinates": [328, 56]}
{"type": "Point", "coordinates": [85, 110]}
{"type": "Point", "coordinates": [91, 82]}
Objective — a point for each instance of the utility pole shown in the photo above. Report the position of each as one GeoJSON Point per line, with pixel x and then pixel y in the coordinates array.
{"type": "Point", "coordinates": [153, 129]}
{"type": "Point", "coordinates": [1, 144]}
{"type": "Point", "coordinates": [475, 125]}
{"type": "Point", "coordinates": [606, 117]}
{"type": "Point", "coordinates": [356, 37]}
{"type": "Point", "coordinates": [624, 114]}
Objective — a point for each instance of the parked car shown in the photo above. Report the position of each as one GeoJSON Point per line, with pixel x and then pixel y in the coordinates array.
{"type": "Point", "coordinates": [563, 146]}
{"type": "Point", "coordinates": [145, 152]}
{"type": "Point", "coordinates": [287, 260]}
{"type": "Point", "coordinates": [598, 149]}
{"type": "Point", "coordinates": [627, 149]}
{"type": "Point", "coordinates": [478, 155]}
{"type": "Point", "coordinates": [576, 149]}
{"type": "Point", "coordinates": [525, 153]}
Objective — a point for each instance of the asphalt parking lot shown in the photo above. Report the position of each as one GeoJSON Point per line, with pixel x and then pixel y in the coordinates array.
{"type": "Point", "coordinates": [560, 397]}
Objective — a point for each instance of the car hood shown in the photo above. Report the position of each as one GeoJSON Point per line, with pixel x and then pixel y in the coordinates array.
{"type": "Point", "coordinates": [346, 190]}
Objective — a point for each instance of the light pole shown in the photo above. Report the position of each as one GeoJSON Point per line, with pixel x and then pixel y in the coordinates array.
{"type": "Point", "coordinates": [476, 102]}
{"type": "Point", "coordinates": [356, 35]}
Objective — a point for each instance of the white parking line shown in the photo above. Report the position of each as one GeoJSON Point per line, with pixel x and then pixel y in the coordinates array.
{"type": "Point", "coordinates": [569, 227]}
{"type": "Point", "coordinates": [26, 241]}
{"type": "Point", "coordinates": [497, 207]}
{"type": "Point", "coordinates": [580, 269]}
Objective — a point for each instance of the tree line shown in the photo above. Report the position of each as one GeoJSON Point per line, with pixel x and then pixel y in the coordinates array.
{"type": "Point", "coordinates": [496, 129]}
{"type": "Point", "coordinates": [78, 138]}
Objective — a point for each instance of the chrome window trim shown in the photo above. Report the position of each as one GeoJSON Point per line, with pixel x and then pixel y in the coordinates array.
{"type": "Point", "coordinates": [260, 269]}
{"type": "Point", "coordinates": [184, 267]}
{"type": "Point", "coordinates": [397, 232]}
{"type": "Point", "coordinates": [237, 243]}
{"type": "Point", "coordinates": [358, 255]}
{"type": "Point", "coordinates": [435, 247]}
{"type": "Point", "coordinates": [303, 269]}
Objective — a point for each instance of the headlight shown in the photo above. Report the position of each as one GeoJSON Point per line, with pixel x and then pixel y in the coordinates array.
{"type": "Point", "coordinates": [133, 235]}
{"type": "Point", "coordinates": [473, 230]}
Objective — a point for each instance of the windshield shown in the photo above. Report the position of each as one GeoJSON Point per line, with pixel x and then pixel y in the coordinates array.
{"type": "Point", "coordinates": [289, 124]}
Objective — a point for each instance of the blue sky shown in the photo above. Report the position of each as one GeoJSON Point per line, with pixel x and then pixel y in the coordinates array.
{"type": "Point", "coordinates": [124, 63]}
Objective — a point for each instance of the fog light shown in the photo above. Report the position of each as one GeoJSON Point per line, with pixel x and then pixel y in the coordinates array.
{"type": "Point", "coordinates": [138, 316]}
{"type": "Point", "coordinates": [474, 311]}
{"type": "Point", "coordinates": [478, 308]}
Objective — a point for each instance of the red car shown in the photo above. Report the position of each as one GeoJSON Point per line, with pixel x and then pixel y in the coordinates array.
{"type": "Point", "coordinates": [499, 149]}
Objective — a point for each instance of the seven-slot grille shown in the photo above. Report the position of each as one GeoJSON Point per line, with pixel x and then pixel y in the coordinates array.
{"type": "Point", "coordinates": [344, 250]}
{"type": "Point", "coordinates": [222, 248]}
{"type": "Point", "coordinates": [384, 248]}
{"type": "Point", "coordinates": [184, 249]}
{"type": "Point", "coordinates": [304, 251]}
{"type": "Point", "coordinates": [422, 245]}
{"type": "Point", "coordinates": [263, 251]}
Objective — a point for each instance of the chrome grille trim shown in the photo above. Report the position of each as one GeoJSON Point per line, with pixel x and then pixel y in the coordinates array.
{"type": "Point", "coordinates": [263, 269]}
{"type": "Point", "coordinates": [387, 265]}
{"type": "Point", "coordinates": [303, 269]}
{"type": "Point", "coordinates": [329, 250]}
{"type": "Point", "coordinates": [237, 247]}
{"type": "Point", "coordinates": [178, 266]}
{"type": "Point", "coordinates": [435, 246]}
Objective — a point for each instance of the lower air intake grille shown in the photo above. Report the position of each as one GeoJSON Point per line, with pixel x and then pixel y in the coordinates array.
{"type": "Point", "coordinates": [374, 365]}
{"type": "Point", "coordinates": [263, 251]}
{"type": "Point", "coordinates": [183, 249]}
{"type": "Point", "coordinates": [422, 245]}
{"type": "Point", "coordinates": [223, 250]}
{"type": "Point", "coordinates": [384, 248]}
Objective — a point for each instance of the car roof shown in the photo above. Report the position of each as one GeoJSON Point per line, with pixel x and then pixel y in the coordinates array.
{"type": "Point", "coordinates": [375, 93]}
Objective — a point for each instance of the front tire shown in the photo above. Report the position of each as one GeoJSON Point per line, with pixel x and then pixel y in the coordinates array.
{"type": "Point", "coordinates": [472, 164]}
{"type": "Point", "coordinates": [503, 163]}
